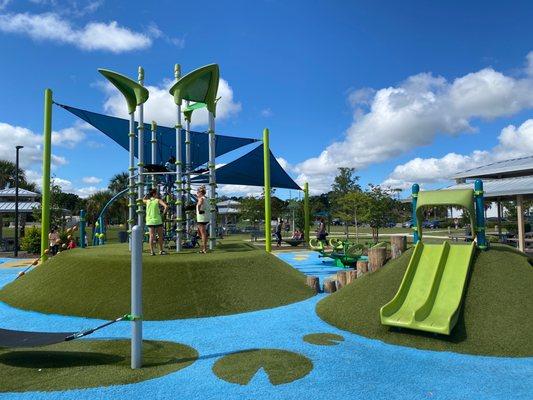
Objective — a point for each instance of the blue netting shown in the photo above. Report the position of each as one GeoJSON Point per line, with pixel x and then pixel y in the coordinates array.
{"type": "Point", "coordinates": [248, 171]}
{"type": "Point", "coordinates": [118, 128]}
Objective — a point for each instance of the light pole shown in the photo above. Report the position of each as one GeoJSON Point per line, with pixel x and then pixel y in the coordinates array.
{"type": "Point", "coordinates": [16, 250]}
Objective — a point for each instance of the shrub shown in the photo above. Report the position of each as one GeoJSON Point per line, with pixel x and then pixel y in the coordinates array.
{"type": "Point", "coordinates": [31, 242]}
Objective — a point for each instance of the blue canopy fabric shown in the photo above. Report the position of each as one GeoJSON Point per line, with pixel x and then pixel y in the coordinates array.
{"type": "Point", "coordinates": [248, 170]}
{"type": "Point", "coordinates": [118, 128]}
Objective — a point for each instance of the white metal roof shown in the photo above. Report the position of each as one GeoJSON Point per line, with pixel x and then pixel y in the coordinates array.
{"type": "Point", "coordinates": [24, 207]}
{"type": "Point", "coordinates": [10, 192]}
{"type": "Point", "coordinates": [229, 203]}
{"type": "Point", "coordinates": [504, 187]}
{"type": "Point", "coordinates": [508, 168]}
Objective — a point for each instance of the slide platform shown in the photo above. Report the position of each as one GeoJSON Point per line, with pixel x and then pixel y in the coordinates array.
{"type": "Point", "coordinates": [431, 292]}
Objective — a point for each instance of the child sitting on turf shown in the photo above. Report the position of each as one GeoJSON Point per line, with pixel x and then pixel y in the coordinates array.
{"type": "Point", "coordinates": [71, 244]}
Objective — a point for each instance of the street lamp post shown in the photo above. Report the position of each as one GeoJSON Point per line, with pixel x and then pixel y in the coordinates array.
{"type": "Point", "coordinates": [16, 250]}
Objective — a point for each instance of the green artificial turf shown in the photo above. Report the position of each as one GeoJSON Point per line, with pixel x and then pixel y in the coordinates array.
{"type": "Point", "coordinates": [281, 366]}
{"type": "Point", "coordinates": [95, 282]}
{"type": "Point", "coordinates": [323, 339]}
{"type": "Point", "coordinates": [88, 363]}
{"type": "Point", "coordinates": [495, 319]}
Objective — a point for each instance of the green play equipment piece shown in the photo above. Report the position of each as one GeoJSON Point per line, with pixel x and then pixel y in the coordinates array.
{"type": "Point", "coordinates": [134, 93]}
{"type": "Point", "coordinates": [187, 111]}
{"type": "Point", "coordinates": [345, 254]}
{"type": "Point", "coordinates": [200, 86]}
{"type": "Point", "coordinates": [431, 292]}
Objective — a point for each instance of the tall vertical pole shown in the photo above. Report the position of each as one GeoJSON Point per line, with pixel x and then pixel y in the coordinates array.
{"type": "Point", "coordinates": [16, 249]}
{"type": "Point", "coordinates": [414, 195]}
{"type": "Point", "coordinates": [131, 171]}
{"type": "Point", "coordinates": [47, 150]}
{"type": "Point", "coordinates": [480, 214]}
{"type": "Point", "coordinates": [136, 296]}
{"type": "Point", "coordinates": [520, 222]}
{"type": "Point", "coordinates": [306, 213]}
{"type": "Point", "coordinates": [266, 167]}
{"type": "Point", "coordinates": [153, 142]}
{"type": "Point", "coordinates": [179, 164]}
{"type": "Point", "coordinates": [212, 184]}
{"type": "Point", "coordinates": [82, 229]}
{"type": "Point", "coordinates": [188, 168]}
{"type": "Point", "coordinates": [140, 156]}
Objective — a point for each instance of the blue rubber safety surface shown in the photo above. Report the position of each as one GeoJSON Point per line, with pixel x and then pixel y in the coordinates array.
{"type": "Point", "coordinates": [309, 263]}
{"type": "Point", "coordinates": [358, 368]}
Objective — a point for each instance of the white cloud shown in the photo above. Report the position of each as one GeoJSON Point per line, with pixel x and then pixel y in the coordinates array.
{"type": "Point", "coordinates": [11, 136]}
{"type": "Point", "coordinates": [85, 192]}
{"type": "Point", "coordinates": [267, 112]}
{"type": "Point", "coordinates": [160, 106]}
{"type": "Point", "coordinates": [156, 33]}
{"type": "Point", "coordinates": [513, 142]}
{"type": "Point", "coordinates": [238, 190]}
{"type": "Point", "coordinates": [4, 3]}
{"type": "Point", "coordinates": [93, 36]}
{"type": "Point", "coordinates": [411, 114]}
{"type": "Point", "coordinates": [91, 180]}
{"type": "Point", "coordinates": [68, 137]}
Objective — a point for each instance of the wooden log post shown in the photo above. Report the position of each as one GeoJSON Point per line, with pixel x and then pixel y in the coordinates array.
{"type": "Point", "coordinates": [312, 282]}
{"type": "Point", "coordinates": [398, 245]}
{"type": "Point", "coordinates": [362, 268]}
{"type": "Point", "coordinates": [329, 286]}
{"type": "Point", "coordinates": [376, 258]}
{"type": "Point", "coordinates": [351, 276]}
{"type": "Point", "coordinates": [341, 279]}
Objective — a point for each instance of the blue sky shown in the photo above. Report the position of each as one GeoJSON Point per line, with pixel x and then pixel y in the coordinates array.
{"type": "Point", "coordinates": [403, 91]}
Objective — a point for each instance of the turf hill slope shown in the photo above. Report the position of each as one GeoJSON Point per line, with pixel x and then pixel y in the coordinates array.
{"type": "Point", "coordinates": [95, 282]}
{"type": "Point", "coordinates": [495, 318]}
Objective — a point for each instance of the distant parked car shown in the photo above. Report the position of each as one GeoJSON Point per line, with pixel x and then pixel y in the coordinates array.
{"type": "Point", "coordinates": [390, 224]}
{"type": "Point", "coordinates": [431, 224]}
{"type": "Point", "coordinates": [407, 224]}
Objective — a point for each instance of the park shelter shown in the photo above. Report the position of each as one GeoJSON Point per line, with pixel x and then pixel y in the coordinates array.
{"type": "Point", "coordinates": [508, 180]}
{"type": "Point", "coordinates": [27, 202]}
{"type": "Point", "coordinates": [228, 211]}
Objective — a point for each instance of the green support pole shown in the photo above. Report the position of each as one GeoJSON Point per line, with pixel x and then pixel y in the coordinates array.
{"type": "Point", "coordinates": [47, 151]}
{"type": "Point", "coordinates": [266, 161]}
{"type": "Point", "coordinates": [306, 213]}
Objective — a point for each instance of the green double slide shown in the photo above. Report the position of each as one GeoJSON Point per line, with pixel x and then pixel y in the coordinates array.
{"type": "Point", "coordinates": [431, 292]}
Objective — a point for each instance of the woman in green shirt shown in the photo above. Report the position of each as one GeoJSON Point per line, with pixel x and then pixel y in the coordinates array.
{"type": "Point", "coordinates": [154, 222]}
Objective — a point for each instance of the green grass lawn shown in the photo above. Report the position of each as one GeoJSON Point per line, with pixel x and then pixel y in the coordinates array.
{"type": "Point", "coordinates": [88, 363]}
{"type": "Point", "coordinates": [95, 282]}
{"type": "Point", "coordinates": [495, 319]}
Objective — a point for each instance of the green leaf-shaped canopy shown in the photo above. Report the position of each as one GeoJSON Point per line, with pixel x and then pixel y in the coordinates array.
{"type": "Point", "coordinates": [134, 93]}
{"type": "Point", "coordinates": [200, 85]}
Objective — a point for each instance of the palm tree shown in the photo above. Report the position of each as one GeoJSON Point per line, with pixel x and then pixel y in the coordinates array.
{"type": "Point", "coordinates": [95, 203]}
{"type": "Point", "coordinates": [118, 182]}
{"type": "Point", "coordinates": [8, 172]}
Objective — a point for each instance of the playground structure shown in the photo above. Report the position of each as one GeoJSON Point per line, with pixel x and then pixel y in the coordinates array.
{"type": "Point", "coordinates": [344, 253]}
{"type": "Point", "coordinates": [430, 295]}
{"type": "Point", "coordinates": [199, 87]}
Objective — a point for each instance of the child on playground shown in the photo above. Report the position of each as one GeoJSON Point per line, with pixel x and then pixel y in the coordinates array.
{"type": "Point", "coordinates": [202, 218]}
{"type": "Point", "coordinates": [53, 238]}
{"type": "Point", "coordinates": [170, 165]}
{"type": "Point", "coordinates": [321, 233]}
{"type": "Point", "coordinates": [154, 221]}
{"type": "Point", "coordinates": [71, 244]}
{"type": "Point", "coordinates": [277, 233]}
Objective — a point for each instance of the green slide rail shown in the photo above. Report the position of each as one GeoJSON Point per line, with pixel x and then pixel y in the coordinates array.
{"type": "Point", "coordinates": [431, 292]}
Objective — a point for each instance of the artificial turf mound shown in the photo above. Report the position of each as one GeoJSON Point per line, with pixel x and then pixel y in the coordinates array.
{"type": "Point", "coordinates": [95, 282]}
{"type": "Point", "coordinates": [495, 318]}
{"type": "Point", "coordinates": [88, 363]}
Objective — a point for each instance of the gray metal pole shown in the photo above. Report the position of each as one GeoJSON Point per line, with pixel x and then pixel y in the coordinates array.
{"type": "Point", "coordinates": [131, 171]}
{"type": "Point", "coordinates": [16, 249]}
{"type": "Point", "coordinates": [188, 172]}
{"type": "Point", "coordinates": [140, 155]}
{"type": "Point", "coordinates": [179, 164]}
{"type": "Point", "coordinates": [153, 143]}
{"type": "Point", "coordinates": [136, 297]}
{"type": "Point", "coordinates": [212, 184]}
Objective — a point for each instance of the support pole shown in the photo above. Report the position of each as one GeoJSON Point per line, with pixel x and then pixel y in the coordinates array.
{"type": "Point", "coordinates": [414, 195]}
{"type": "Point", "coordinates": [140, 155]}
{"type": "Point", "coordinates": [16, 249]}
{"type": "Point", "coordinates": [131, 171]}
{"type": "Point", "coordinates": [153, 143]}
{"type": "Point", "coordinates": [520, 215]}
{"type": "Point", "coordinates": [188, 169]}
{"type": "Point", "coordinates": [480, 214]}
{"type": "Point", "coordinates": [82, 229]}
{"type": "Point", "coordinates": [179, 169]}
{"type": "Point", "coordinates": [499, 205]}
{"type": "Point", "coordinates": [212, 184]}
{"type": "Point", "coordinates": [306, 213]}
{"type": "Point", "coordinates": [266, 167]}
{"type": "Point", "coordinates": [47, 150]}
{"type": "Point", "coordinates": [136, 297]}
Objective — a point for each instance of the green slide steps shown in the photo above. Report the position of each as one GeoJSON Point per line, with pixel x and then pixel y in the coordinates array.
{"type": "Point", "coordinates": [431, 292]}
